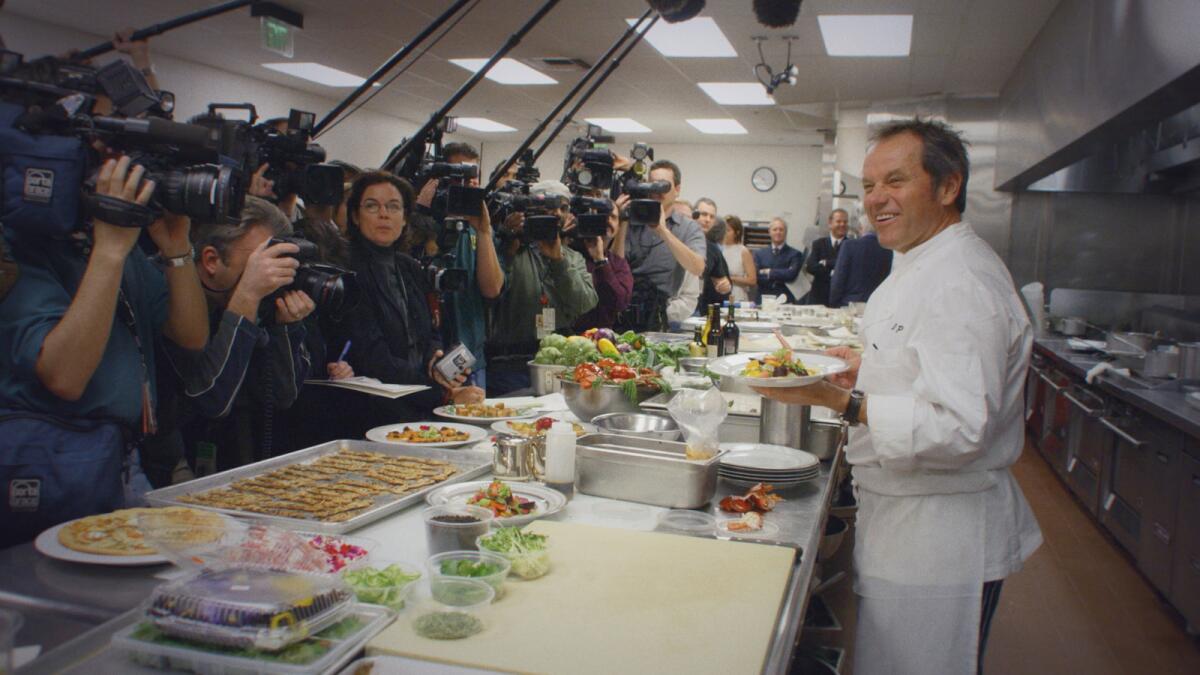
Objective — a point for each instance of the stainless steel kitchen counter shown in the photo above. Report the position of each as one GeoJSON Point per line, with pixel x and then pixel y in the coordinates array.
{"type": "Point", "coordinates": [77, 596]}
{"type": "Point", "coordinates": [1167, 405]}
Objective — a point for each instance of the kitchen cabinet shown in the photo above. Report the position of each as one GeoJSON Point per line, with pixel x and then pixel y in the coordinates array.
{"type": "Point", "coordinates": [1185, 579]}
{"type": "Point", "coordinates": [1035, 400]}
{"type": "Point", "coordinates": [1125, 487]}
{"type": "Point", "coordinates": [1054, 420]}
{"type": "Point", "coordinates": [1161, 502]}
{"type": "Point", "coordinates": [1088, 456]}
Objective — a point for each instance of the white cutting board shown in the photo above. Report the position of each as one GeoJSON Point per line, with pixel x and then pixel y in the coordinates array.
{"type": "Point", "coordinates": [619, 601]}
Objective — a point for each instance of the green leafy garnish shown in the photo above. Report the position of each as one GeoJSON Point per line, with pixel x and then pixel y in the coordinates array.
{"type": "Point", "coordinates": [380, 586]}
{"type": "Point", "coordinates": [469, 568]}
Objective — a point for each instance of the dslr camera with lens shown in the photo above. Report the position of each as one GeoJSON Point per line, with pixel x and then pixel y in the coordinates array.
{"type": "Point", "coordinates": [331, 288]}
{"type": "Point", "coordinates": [442, 270]}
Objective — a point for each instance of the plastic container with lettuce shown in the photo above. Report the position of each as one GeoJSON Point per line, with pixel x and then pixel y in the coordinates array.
{"type": "Point", "coordinates": [387, 586]}
{"type": "Point", "coordinates": [526, 551]}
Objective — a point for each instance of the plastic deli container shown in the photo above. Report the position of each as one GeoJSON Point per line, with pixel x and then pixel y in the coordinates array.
{"type": "Point", "coordinates": [456, 608]}
{"type": "Point", "coordinates": [248, 607]}
{"type": "Point", "coordinates": [325, 652]}
{"type": "Point", "coordinates": [383, 582]}
{"type": "Point", "coordinates": [452, 527]}
{"type": "Point", "coordinates": [684, 521]}
{"type": "Point", "coordinates": [465, 565]}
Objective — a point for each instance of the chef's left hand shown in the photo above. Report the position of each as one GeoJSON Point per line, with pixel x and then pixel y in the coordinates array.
{"type": "Point", "coordinates": [820, 393]}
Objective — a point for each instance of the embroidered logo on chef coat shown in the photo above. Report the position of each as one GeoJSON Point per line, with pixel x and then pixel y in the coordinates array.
{"type": "Point", "coordinates": [24, 494]}
{"type": "Point", "coordinates": [897, 328]}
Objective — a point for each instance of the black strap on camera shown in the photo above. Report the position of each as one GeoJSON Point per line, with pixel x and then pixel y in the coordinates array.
{"type": "Point", "coordinates": [117, 211]}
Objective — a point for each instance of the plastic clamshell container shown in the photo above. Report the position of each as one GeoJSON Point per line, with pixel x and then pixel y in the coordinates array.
{"type": "Point", "coordinates": [645, 470]}
{"type": "Point", "coordinates": [495, 580]}
{"type": "Point", "coordinates": [249, 606]}
{"type": "Point", "coordinates": [207, 661]}
{"type": "Point", "coordinates": [393, 597]}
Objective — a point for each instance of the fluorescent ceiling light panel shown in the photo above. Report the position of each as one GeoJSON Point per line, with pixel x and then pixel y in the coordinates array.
{"type": "Point", "coordinates": [718, 125]}
{"type": "Point", "coordinates": [698, 37]}
{"type": "Point", "coordinates": [482, 124]}
{"type": "Point", "coordinates": [866, 34]}
{"type": "Point", "coordinates": [315, 72]}
{"type": "Point", "coordinates": [620, 125]}
{"type": "Point", "coordinates": [506, 71]}
{"type": "Point", "coordinates": [737, 93]}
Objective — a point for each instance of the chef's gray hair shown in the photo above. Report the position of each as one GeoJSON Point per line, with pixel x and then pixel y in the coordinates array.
{"type": "Point", "coordinates": [945, 152]}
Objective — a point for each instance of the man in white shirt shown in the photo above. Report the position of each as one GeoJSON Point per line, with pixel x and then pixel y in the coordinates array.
{"type": "Point", "coordinates": [937, 403]}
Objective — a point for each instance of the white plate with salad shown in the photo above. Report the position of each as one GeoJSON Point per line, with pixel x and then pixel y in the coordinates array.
{"type": "Point", "coordinates": [512, 503]}
{"type": "Point", "coordinates": [427, 434]}
{"type": "Point", "coordinates": [781, 368]}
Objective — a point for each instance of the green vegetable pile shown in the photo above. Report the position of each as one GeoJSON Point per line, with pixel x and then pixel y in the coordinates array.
{"type": "Point", "coordinates": [469, 568]}
{"type": "Point", "coordinates": [447, 625]}
{"type": "Point", "coordinates": [380, 586]}
{"type": "Point", "coordinates": [628, 348]}
{"type": "Point", "coordinates": [301, 653]}
{"type": "Point", "coordinates": [526, 551]}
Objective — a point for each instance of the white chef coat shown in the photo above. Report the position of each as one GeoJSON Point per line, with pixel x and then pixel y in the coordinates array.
{"type": "Point", "coordinates": [946, 347]}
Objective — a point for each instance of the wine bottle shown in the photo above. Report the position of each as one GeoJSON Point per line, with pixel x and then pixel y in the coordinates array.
{"type": "Point", "coordinates": [713, 338]}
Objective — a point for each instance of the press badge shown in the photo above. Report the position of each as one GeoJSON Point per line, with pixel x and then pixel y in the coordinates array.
{"type": "Point", "coordinates": [544, 322]}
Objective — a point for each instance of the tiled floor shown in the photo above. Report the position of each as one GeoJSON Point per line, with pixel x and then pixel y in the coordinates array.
{"type": "Point", "coordinates": [1078, 606]}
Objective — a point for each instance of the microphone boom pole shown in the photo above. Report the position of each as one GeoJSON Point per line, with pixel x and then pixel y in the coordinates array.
{"type": "Point", "coordinates": [513, 40]}
{"type": "Point", "coordinates": [603, 60]}
{"type": "Point", "coordinates": [160, 28]}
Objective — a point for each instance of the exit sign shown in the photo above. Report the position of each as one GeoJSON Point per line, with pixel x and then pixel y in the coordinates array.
{"type": "Point", "coordinates": [277, 36]}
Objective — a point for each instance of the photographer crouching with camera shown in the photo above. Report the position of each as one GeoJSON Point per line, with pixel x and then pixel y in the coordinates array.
{"type": "Point", "coordinates": [547, 286]}
{"type": "Point", "coordinates": [77, 335]}
{"type": "Point", "coordinates": [228, 394]}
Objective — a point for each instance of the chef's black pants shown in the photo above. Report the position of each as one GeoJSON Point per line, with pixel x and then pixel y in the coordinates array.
{"type": "Point", "coordinates": [991, 600]}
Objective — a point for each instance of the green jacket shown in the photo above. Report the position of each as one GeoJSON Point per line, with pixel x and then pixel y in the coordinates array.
{"type": "Point", "coordinates": [566, 283]}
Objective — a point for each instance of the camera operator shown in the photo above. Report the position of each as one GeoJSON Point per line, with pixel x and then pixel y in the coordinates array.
{"type": "Point", "coordinates": [547, 285]}
{"type": "Point", "coordinates": [661, 256]}
{"type": "Point", "coordinates": [611, 276]}
{"type": "Point", "coordinates": [255, 361]}
{"type": "Point", "coordinates": [465, 319]}
{"type": "Point", "coordinates": [391, 330]}
{"type": "Point", "coordinates": [77, 331]}
{"type": "Point", "coordinates": [716, 271]}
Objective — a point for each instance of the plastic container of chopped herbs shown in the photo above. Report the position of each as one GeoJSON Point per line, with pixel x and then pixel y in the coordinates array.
{"type": "Point", "coordinates": [327, 651]}
{"type": "Point", "coordinates": [456, 608]}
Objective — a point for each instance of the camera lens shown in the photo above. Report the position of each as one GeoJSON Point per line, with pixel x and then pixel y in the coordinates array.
{"type": "Point", "coordinates": [206, 193]}
{"type": "Point", "coordinates": [331, 288]}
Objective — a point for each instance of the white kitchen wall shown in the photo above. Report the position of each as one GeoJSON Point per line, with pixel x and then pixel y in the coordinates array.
{"type": "Point", "coordinates": [364, 139]}
{"type": "Point", "coordinates": [722, 173]}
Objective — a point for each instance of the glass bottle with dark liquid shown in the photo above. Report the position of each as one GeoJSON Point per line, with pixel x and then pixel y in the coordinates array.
{"type": "Point", "coordinates": [713, 339]}
{"type": "Point", "coordinates": [730, 335]}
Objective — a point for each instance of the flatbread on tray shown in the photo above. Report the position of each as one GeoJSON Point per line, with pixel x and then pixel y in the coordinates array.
{"type": "Point", "coordinates": [116, 534]}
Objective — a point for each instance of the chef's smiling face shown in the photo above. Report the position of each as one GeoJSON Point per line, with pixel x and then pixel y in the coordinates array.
{"type": "Point", "coordinates": [901, 200]}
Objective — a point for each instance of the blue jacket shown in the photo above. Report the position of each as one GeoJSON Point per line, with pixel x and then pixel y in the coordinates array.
{"type": "Point", "coordinates": [782, 267]}
{"type": "Point", "coordinates": [862, 265]}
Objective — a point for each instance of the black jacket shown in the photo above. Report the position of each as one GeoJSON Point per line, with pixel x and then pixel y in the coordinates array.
{"type": "Point", "coordinates": [714, 267]}
{"type": "Point", "coordinates": [821, 258]}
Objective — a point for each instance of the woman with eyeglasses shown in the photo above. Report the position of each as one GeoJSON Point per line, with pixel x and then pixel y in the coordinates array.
{"type": "Point", "coordinates": [389, 334]}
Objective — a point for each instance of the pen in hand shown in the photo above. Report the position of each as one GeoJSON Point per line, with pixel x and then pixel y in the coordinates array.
{"type": "Point", "coordinates": [345, 351]}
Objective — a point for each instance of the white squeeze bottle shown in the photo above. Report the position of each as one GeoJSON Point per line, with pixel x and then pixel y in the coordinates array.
{"type": "Point", "coordinates": [560, 458]}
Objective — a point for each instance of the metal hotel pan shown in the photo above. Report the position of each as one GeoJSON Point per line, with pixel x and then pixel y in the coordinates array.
{"type": "Point", "coordinates": [470, 464]}
{"type": "Point", "coordinates": [644, 470]}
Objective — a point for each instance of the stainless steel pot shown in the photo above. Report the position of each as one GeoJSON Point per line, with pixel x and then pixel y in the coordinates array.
{"type": "Point", "coordinates": [1189, 361]}
{"type": "Point", "coordinates": [1160, 362]}
{"type": "Point", "coordinates": [1072, 326]}
{"type": "Point", "coordinates": [602, 399]}
{"type": "Point", "coordinates": [639, 424]}
{"type": "Point", "coordinates": [1120, 341]}
{"type": "Point", "coordinates": [544, 378]}
{"type": "Point", "coordinates": [823, 438]}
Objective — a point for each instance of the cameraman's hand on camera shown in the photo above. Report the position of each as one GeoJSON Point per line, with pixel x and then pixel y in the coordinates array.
{"type": "Point", "coordinates": [569, 223]}
{"type": "Point", "coordinates": [482, 224]}
{"type": "Point", "coordinates": [595, 248]}
{"type": "Point", "coordinates": [428, 190]}
{"type": "Point", "coordinates": [171, 234]}
{"type": "Point", "coordinates": [293, 307]}
{"type": "Point", "coordinates": [117, 179]}
{"type": "Point", "coordinates": [138, 50]}
{"type": "Point", "coordinates": [551, 249]}
{"type": "Point", "coordinates": [260, 185]}
{"type": "Point", "coordinates": [339, 370]}
{"type": "Point", "coordinates": [268, 269]}
{"type": "Point", "coordinates": [514, 224]}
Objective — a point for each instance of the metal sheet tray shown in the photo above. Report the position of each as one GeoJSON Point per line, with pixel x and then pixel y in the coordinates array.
{"type": "Point", "coordinates": [470, 464]}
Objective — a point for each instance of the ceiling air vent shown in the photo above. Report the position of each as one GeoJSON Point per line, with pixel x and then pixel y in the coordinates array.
{"type": "Point", "coordinates": [559, 64]}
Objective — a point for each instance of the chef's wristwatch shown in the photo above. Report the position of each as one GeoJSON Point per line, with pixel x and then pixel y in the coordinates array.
{"type": "Point", "coordinates": [853, 406]}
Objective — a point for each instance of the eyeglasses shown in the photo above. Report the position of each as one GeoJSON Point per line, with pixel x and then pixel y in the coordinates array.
{"type": "Point", "coordinates": [372, 207]}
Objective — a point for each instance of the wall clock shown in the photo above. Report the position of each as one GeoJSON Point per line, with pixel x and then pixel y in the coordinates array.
{"type": "Point", "coordinates": [763, 179]}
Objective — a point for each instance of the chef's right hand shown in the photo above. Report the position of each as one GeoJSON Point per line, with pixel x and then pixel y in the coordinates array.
{"type": "Point", "coordinates": [119, 179]}
{"type": "Point", "coordinates": [853, 358]}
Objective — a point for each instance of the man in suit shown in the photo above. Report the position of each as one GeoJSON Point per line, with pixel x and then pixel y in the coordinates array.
{"type": "Point", "coordinates": [779, 264]}
{"type": "Point", "coordinates": [862, 264]}
{"type": "Point", "coordinates": [823, 254]}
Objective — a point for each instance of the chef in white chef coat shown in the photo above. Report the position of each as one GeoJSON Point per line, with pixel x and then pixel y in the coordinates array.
{"type": "Point", "coordinates": [936, 402]}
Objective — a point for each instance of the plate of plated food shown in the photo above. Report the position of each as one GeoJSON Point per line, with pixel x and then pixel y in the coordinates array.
{"type": "Point", "coordinates": [511, 503]}
{"type": "Point", "coordinates": [114, 539]}
{"type": "Point", "coordinates": [486, 412]}
{"type": "Point", "coordinates": [427, 434]}
{"type": "Point", "coordinates": [781, 368]}
{"type": "Point", "coordinates": [536, 428]}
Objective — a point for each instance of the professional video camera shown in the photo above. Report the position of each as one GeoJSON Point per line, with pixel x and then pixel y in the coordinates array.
{"type": "Point", "coordinates": [513, 195]}
{"type": "Point", "coordinates": [591, 216]}
{"type": "Point", "coordinates": [331, 288]}
{"type": "Point", "coordinates": [588, 164]}
{"type": "Point", "coordinates": [543, 221]}
{"type": "Point", "coordinates": [643, 208]}
{"type": "Point", "coordinates": [53, 134]}
{"type": "Point", "coordinates": [454, 196]}
{"type": "Point", "coordinates": [295, 165]}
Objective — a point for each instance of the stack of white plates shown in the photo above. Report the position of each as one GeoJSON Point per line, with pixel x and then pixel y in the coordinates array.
{"type": "Point", "coordinates": [783, 467]}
